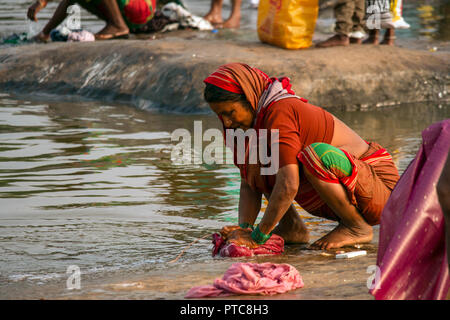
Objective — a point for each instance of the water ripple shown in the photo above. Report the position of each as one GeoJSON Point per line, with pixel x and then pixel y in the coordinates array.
{"type": "Point", "coordinates": [77, 187]}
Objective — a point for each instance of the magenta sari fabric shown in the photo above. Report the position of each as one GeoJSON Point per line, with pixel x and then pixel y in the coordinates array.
{"type": "Point", "coordinates": [412, 252]}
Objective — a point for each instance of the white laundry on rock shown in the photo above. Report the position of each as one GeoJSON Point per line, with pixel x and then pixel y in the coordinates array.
{"type": "Point", "coordinates": [178, 14]}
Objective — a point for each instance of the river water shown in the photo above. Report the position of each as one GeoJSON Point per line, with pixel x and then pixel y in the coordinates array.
{"type": "Point", "coordinates": [92, 185]}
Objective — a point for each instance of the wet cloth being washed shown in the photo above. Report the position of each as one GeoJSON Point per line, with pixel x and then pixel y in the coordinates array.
{"type": "Point", "coordinates": [412, 251]}
{"type": "Point", "coordinates": [275, 245]}
{"type": "Point", "coordinates": [251, 278]}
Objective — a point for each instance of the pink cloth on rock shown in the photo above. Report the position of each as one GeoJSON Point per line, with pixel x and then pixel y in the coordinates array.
{"type": "Point", "coordinates": [251, 278]}
{"type": "Point", "coordinates": [80, 36]}
{"type": "Point", "coordinates": [412, 252]}
{"type": "Point", "coordinates": [275, 245]}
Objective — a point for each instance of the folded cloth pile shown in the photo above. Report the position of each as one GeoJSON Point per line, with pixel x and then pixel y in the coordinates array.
{"type": "Point", "coordinates": [275, 245]}
{"type": "Point", "coordinates": [251, 278]}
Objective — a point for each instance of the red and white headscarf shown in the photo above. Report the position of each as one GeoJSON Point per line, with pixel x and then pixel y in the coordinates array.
{"type": "Point", "coordinates": [260, 90]}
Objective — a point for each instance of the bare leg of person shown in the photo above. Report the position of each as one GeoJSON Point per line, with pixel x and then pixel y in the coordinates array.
{"type": "Point", "coordinates": [58, 17]}
{"type": "Point", "coordinates": [61, 13]}
{"type": "Point", "coordinates": [373, 38]}
{"type": "Point", "coordinates": [292, 228]}
{"type": "Point", "coordinates": [215, 13]}
{"type": "Point", "coordinates": [91, 8]}
{"type": "Point", "coordinates": [111, 8]}
{"type": "Point", "coordinates": [389, 37]}
{"type": "Point", "coordinates": [115, 24]}
{"type": "Point", "coordinates": [352, 227]}
{"type": "Point", "coordinates": [234, 21]}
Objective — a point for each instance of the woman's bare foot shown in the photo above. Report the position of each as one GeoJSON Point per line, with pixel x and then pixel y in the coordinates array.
{"type": "Point", "coordinates": [373, 38]}
{"type": "Point", "coordinates": [293, 233]}
{"type": "Point", "coordinates": [292, 228]}
{"type": "Point", "coordinates": [334, 41]}
{"type": "Point", "coordinates": [234, 22]}
{"type": "Point", "coordinates": [389, 37]}
{"type": "Point", "coordinates": [214, 18]}
{"type": "Point", "coordinates": [111, 31]}
{"type": "Point", "coordinates": [344, 236]}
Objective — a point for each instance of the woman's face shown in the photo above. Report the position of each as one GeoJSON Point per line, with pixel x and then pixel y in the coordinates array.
{"type": "Point", "coordinates": [235, 115]}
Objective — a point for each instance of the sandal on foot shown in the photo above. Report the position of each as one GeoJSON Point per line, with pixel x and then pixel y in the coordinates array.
{"type": "Point", "coordinates": [110, 36]}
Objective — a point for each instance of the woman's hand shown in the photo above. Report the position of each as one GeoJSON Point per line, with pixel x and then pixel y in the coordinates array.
{"type": "Point", "coordinates": [41, 38]}
{"type": "Point", "coordinates": [238, 236]}
{"type": "Point", "coordinates": [225, 231]}
{"type": "Point", "coordinates": [242, 237]}
{"type": "Point", "coordinates": [35, 8]}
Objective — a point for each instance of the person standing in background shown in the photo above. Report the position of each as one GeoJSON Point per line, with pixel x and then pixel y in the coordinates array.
{"type": "Point", "coordinates": [215, 14]}
{"type": "Point", "coordinates": [390, 18]}
{"type": "Point", "coordinates": [349, 28]}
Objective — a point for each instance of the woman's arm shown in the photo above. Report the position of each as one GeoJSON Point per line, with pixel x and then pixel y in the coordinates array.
{"type": "Point", "coordinates": [283, 194]}
{"type": "Point", "coordinates": [58, 17]}
{"type": "Point", "coordinates": [37, 6]}
{"type": "Point", "coordinates": [249, 204]}
{"type": "Point", "coordinates": [249, 207]}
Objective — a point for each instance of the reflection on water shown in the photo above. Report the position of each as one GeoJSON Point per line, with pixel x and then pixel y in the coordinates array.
{"type": "Point", "coordinates": [73, 175]}
{"type": "Point", "coordinates": [428, 19]}
{"type": "Point", "coordinates": [93, 185]}
{"type": "Point", "coordinates": [397, 128]}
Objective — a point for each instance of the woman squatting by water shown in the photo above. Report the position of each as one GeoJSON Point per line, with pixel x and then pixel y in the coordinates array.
{"type": "Point", "coordinates": [326, 167]}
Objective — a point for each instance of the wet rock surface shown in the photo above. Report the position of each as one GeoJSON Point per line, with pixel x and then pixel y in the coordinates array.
{"type": "Point", "coordinates": [167, 73]}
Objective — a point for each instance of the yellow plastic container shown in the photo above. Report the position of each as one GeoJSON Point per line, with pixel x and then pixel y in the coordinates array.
{"type": "Point", "coordinates": [287, 23]}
